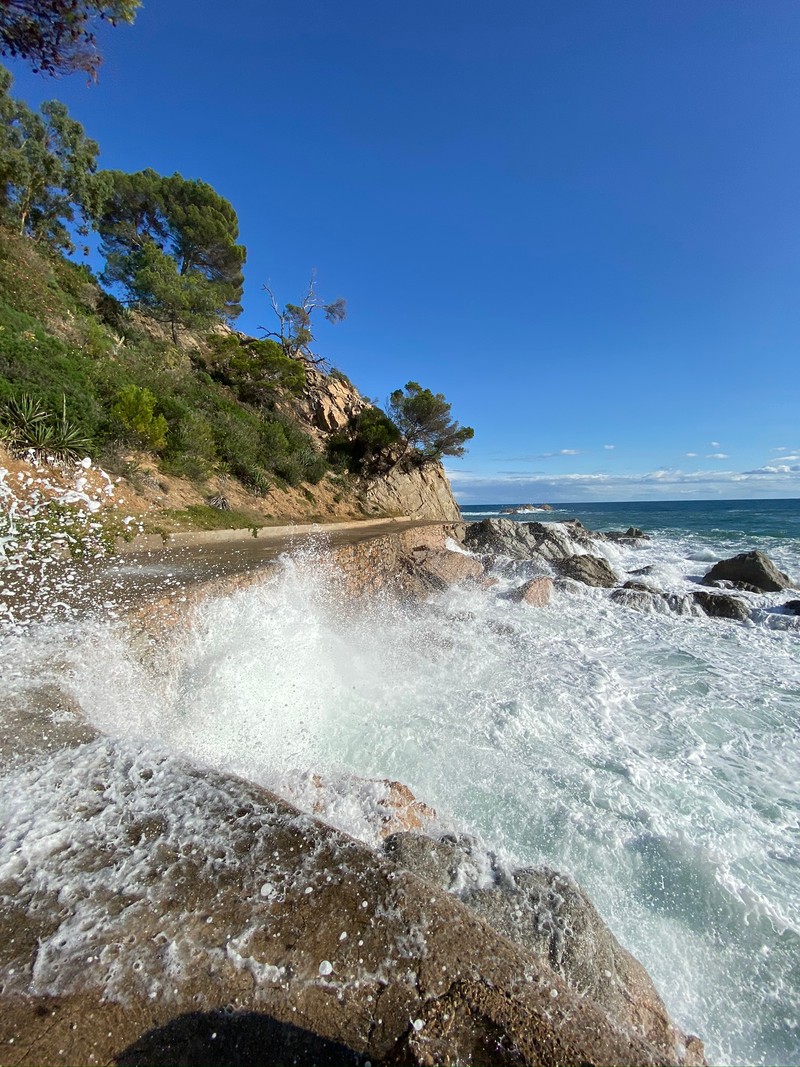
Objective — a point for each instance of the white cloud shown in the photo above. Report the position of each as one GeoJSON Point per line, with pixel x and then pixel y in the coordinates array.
{"type": "Point", "coordinates": [609, 448]}
{"type": "Point", "coordinates": [778, 480]}
{"type": "Point", "coordinates": [781, 468]}
{"type": "Point", "coordinates": [718, 455]}
{"type": "Point", "coordinates": [691, 455]}
{"type": "Point", "coordinates": [561, 452]}
{"type": "Point", "coordinates": [715, 444]}
{"type": "Point", "coordinates": [780, 448]}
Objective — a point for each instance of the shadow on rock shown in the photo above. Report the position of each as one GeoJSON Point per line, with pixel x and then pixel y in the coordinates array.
{"type": "Point", "coordinates": [240, 1039]}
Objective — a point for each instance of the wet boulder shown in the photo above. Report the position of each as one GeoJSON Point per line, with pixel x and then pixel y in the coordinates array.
{"type": "Point", "coordinates": [722, 605]}
{"type": "Point", "coordinates": [550, 915]}
{"type": "Point", "coordinates": [501, 537]}
{"type": "Point", "coordinates": [442, 568]}
{"type": "Point", "coordinates": [536, 592]}
{"type": "Point", "coordinates": [527, 540]}
{"type": "Point", "coordinates": [792, 607]}
{"type": "Point", "coordinates": [321, 949]}
{"type": "Point", "coordinates": [754, 568]}
{"type": "Point", "coordinates": [591, 570]}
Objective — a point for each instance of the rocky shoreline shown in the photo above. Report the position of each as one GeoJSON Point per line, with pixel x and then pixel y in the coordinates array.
{"type": "Point", "coordinates": [294, 937]}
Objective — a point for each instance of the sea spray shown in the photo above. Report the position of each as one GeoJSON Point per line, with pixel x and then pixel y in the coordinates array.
{"type": "Point", "coordinates": [631, 750]}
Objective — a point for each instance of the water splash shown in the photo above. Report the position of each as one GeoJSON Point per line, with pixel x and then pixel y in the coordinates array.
{"type": "Point", "coordinates": [654, 757]}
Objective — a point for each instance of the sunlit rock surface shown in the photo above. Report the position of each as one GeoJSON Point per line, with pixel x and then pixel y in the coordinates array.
{"type": "Point", "coordinates": [144, 882]}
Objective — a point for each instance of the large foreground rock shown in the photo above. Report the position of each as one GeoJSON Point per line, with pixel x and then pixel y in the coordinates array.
{"type": "Point", "coordinates": [177, 907]}
{"type": "Point", "coordinates": [551, 916]}
{"type": "Point", "coordinates": [753, 568]}
{"type": "Point", "coordinates": [413, 564]}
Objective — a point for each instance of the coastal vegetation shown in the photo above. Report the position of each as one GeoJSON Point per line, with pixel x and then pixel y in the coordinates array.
{"type": "Point", "coordinates": [142, 357]}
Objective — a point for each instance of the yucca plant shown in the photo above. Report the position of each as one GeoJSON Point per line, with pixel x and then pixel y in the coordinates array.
{"type": "Point", "coordinates": [25, 426]}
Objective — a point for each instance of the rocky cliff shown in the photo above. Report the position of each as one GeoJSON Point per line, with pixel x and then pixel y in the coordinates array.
{"type": "Point", "coordinates": [419, 492]}
{"type": "Point", "coordinates": [326, 407]}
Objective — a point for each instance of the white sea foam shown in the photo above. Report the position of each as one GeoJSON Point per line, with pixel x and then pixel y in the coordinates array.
{"type": "Point", "coordinates": [652, 756]}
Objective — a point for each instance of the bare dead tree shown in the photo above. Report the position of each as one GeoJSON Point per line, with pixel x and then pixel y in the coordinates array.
{"type": "Point", "coordinates": [294, 333]}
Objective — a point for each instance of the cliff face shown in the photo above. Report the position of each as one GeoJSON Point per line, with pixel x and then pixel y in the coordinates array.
{"type": "Point", "coordinates": [326, 406]}
{"type": "Point", "coordinates": [421, 493]}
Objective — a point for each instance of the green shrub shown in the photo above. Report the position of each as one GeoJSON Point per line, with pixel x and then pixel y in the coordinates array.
{"type": "Point", "coordinates": [365, 442]}
{"type": "Point", "coordinates": [134, 411]}
{"type": "Point", "coordinates": [257, 370]}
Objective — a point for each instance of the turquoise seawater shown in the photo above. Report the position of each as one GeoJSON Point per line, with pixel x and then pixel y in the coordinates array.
{"type": "Point", "coordinates": [653, 755]}
{"type": "Point", "coordinates": [717, 520]}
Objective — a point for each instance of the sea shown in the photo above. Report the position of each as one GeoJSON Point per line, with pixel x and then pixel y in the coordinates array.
{"type": "Point", "coordinates": [652, 755]}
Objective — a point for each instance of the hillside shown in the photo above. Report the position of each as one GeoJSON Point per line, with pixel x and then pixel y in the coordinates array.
{"type": "Point", "coordinates": [203, 429]}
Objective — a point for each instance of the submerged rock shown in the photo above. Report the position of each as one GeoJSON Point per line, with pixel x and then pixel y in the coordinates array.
{"type": "Point", "coordinates": [641, 586]}
{"type": "Point", "coordinates": [792, 607]}
{"type": "Point", "coordinates": [754, 568]}
{"type": "Point", "coordinates": [642, 598]}
{"type": "Point", "coordinates": [722, 606]}
{"type": "Point", "coordinates": [591, 570]}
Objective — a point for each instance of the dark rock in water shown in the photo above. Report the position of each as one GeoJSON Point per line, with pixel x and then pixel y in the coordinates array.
{"type": "Point", "coordinates": [535, 592]}
{"type": "Point", "coordinates": [633, 533]}
{"type": "Point", "coordinates": [746, 587]}
{"type": "Point", "coordinates": [501, 537]}
{"type": "Point", "coordinates": [792, 606]}
{"type": "Point", "coordinates": [591, 570]}
{"type": "Point", "coordinates": [642, 570]}
{"type": "Point", "coordinates": [726, 583]}
{"type": "Point", "coordinates": [551, 916]}
{"type": "Point", "coordinates": [526, 540]}
{"type": "Point", "coordinates": [722, 606]}
{"type": "Point", "coordinates": [642, 598]}
{"type": "Point", "coordinates": [754, 568]}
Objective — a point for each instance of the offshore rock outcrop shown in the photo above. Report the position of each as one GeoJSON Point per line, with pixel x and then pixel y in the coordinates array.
{"type": "Point", "coordinates": [752, 570]}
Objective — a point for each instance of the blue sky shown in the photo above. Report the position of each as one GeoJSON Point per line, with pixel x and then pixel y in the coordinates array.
{"type": "Point", "coordinates": [578, 219]}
